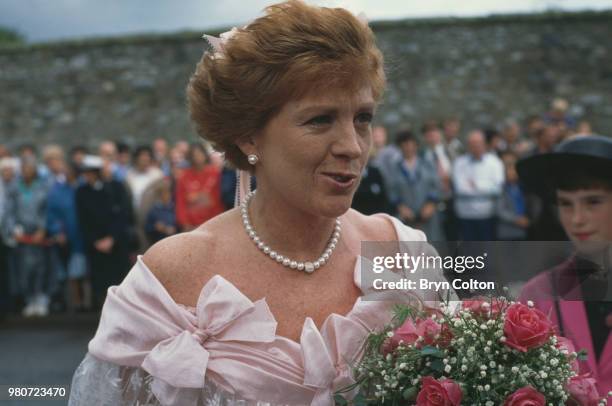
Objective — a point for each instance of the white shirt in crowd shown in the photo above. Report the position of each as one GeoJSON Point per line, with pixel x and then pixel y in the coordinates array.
{"type": "Point", "coordinates": [477, 185]}
{"type": "Point", "coordinates": [438, 156]}
{"type": "Point", "coordinates": [139, 181]}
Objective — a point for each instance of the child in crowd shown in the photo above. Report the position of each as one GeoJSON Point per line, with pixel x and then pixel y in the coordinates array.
{"type": "Point", "coordinates": [512, 208]}
{"type": "Point", "coordinates": [161, 220]}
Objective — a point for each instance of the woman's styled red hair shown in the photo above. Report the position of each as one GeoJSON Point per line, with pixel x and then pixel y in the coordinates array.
{"type": "Point", "coordinates": [293, 49]}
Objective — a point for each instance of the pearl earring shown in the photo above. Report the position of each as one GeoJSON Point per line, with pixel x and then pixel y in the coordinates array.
{"type": "Point", "coordinates": [253, 159]}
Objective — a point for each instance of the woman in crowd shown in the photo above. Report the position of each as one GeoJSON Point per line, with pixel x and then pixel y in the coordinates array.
{"type": "Point", "coordinates": [25, 221]}
{"type": "Point", "coordinates": [416, 189]}
{"type": "Point", "coordinates": [198, 190]}
{"type": "Point", "coordinates": [64, 230]}
{"type": "Point", "coordinates": [142, 174]}
{"type": "Point", "coordinates": [578, 292]}
{"type": "Point", "coordinates": [261, 303]}
{"type": "Point", "coordinates": [104, 211]}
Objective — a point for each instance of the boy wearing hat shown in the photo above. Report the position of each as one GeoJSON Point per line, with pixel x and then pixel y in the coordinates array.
{"type": "Point", "coordinates": [578, 292]}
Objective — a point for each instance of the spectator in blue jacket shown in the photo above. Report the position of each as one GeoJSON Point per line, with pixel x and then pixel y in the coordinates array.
{"type": "Point", "coordinates": [64, 231]}
{"type": "Point", "coordinates": [161, 218]}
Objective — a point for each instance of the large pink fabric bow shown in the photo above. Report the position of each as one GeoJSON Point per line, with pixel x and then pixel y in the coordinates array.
{"type": "Point", "coordinates": [173, 347]}
{"type": "Point", "coordinates": [328, 354]}
{"type": "Point", "coordinates": [223, 314]}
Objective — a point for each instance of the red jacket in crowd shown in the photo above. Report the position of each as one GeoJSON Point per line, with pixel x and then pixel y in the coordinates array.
{"type": "Point", "coordinates": [198, 196]}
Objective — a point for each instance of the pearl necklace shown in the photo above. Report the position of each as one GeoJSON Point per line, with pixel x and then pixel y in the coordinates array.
{"type": "Point", "coordinates": [308, 266]}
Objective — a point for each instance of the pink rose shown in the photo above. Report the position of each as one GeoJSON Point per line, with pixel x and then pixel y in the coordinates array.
{"type": "Point", "coordinates": [429, 330]}
{"type": "Point", "coordinates": [406, 333]}
{"type": "Point", "coordinates": [526, 328]}
{"type": "Point", "coordinates": [583, 390]}
{"type": "Point", "coordinates": [446, 335]}
{"type": "Point", "coordinates": [483, 307]}
{"type": "Point", "coordinates": [526, 396]}
{"type": "Point", "coordinates": [567, 344]}
{"type": "Point", "coordinates": [439, 393]}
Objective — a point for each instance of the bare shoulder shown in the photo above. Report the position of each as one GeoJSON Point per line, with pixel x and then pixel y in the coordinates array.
{"type": "Point", "coordinates": [372, 228]}
{"type": "Point", "coordinates": [183, 263]}
{"type": "Point", "coordinates": [176, 260]}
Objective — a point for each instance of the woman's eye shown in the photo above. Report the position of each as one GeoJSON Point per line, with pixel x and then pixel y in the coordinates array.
{"type": "Point", "coordinates": [319, 121]}
{"type": "Point", "coordinates": [364, 118]}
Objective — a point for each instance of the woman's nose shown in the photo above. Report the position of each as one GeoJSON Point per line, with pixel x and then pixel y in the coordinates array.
{"type": "Point", "coordinates": [349, 143]}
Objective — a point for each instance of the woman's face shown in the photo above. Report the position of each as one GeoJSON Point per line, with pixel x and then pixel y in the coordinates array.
{"type": "Point", "coordinates": [586, 215]}
{"type": "Point", "coordinates": [409, 149]}
{"type": "Point", "coordinates": [198, 157]}
{"type": "Point", "coordinates": [144, 160]}
{"type": "Point", "coordinates": [312, 153]}
{"type": "Point", "coordinates": [28, 172]}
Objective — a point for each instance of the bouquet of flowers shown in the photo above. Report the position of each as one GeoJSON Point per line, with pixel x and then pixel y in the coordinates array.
{"type": "Point", "coordinates": [486, 352]}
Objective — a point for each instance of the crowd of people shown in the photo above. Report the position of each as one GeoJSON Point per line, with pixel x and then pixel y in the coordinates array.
{"type": "Point", "coordinates": [464, 186]}
{"type": "Point", "coordinates": [73, 222]}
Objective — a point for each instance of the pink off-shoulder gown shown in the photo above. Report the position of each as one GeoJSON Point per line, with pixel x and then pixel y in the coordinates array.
{"type": "Point", "coordinates": [149, 350]}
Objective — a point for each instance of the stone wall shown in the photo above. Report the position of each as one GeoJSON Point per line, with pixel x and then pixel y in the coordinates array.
{"type": "Point", "coordinates": [483, 70]}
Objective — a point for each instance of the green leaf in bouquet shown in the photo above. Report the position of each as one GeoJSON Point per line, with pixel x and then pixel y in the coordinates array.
{"type": "Point", "coordinates": [402, 312]}
{"type": "Point", "coordinates": [360, 400]}
{"type": "Point", "coordinates": [437, 365]}
{"type": "Point", "coordinates": [432, 352]}
{"type": "Point", "coordinates": [582, 355]}
{"type": "Point", "coordinates": [374, 342]}
{"type": "Point", "coordinates": [410, 393]}
{"type": "Point", "coordinates": [340, 400]}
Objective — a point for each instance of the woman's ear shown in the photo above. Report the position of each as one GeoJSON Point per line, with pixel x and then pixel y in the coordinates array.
{"type": "Point", "coordinates": [247, 145]}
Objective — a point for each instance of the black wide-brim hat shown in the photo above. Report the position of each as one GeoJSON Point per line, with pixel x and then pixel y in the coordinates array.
{"type": "Point", "coordinates": [539, 173]}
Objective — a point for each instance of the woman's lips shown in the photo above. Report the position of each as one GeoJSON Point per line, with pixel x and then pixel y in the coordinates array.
{"type": "Point", "coordinates": [340, 180]}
